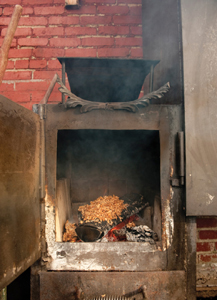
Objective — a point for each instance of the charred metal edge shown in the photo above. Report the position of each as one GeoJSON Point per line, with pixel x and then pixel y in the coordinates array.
{"type": "Point", "coordinates": [131, 106]}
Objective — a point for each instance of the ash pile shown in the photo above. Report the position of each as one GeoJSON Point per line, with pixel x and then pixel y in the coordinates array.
{"type": "Point", "coordinates": [110, 219]}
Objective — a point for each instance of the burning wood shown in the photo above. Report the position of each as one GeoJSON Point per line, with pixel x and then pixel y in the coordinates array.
{"type": "Point", "coordinates": [105, 208]}
{"type": "Point", "coordinates": [104, 213]}
{"type": "Point", "coordinates": [70, 234]}
{"type": "Point", "coordinates": [110, 219]}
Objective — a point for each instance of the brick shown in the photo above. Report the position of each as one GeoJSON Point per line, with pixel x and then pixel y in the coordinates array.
{"type": "Point", "coordinates": [84, 20]}
{"type": "Point", "coordinates": [85, 9]}
{"type": "Point", "coordinates": [55, 97]}
{"type": "Point", "coordinates": [137, 53]}
{"type": "Point", "coordinates": [33, 41]}
{"type": "Point", "coordinates": [111, 10]}
{"type": "Point", "coordinates": [14, 53]}
{"type": "Point", "coordinates": [113, 30]}
{"type": "Point", "coordinates": [207, 234]}
{"type": "Point", "coordinates": [10, 65]}
{"type": "Point", "coordinates": [69, 20]}
{"type": "Point", "coordinates": [205, 258]}
{"type": "Point", "coordinates": [54, 64]}
{"type": "Point", "coordinates": [38, 64]}
{"type": "Point", "coordinates": [19, 32]}
{"type": "Point", "coordinates": [16, 97]}
{"type": "Point", "coordinates": [128, 41]}
{"type": "Point", "coordinates": [113, 52]}
{"type": "Point", "coordinates": [4, 21]}
{"type": "Point", "coordinates": [141, 94]}
{"type": "Point", "coordinates": [13, 44]}
{"type": "Point", "coordinates": [81, 52]}
{"type": "Point", "coordinates": [5, 87]}
{"type": "Point", "coordinates": [101, 1]}
{"type": "Point", "coordinates": [48, 31]}
{"type": "Point", "coordinates": [17, 75]}
{"type": "Point", "coordinates": [97, 41]}
{"type": "Point", "coordinates": [129, 1]}
{"type": "Point", "coordinates": [126, 20]}
{"type": "Point", "coordinates": [44, 74]}
{"type": "Point", "coordinates": [202, 247]}
{"type": "Point", "coordinates": [136, 10]}
{"type": "Point", "coordinates": [32, 21]}
{"type": "Point", "coordinates": [80, 31]}
{"type": "Point", "coordinates": [48, 52]}
{"type": "Point", "coordinates": [49, 10]}
{"type": "Point", "coordinates": [136, 30]}
{"type": "Point", "coordinates": [26, 11]}
{"type": "Point", "coordinates": [22, 64]}
{"type": "Point", "coordinates": [32, 86]}
{"type": "Point", "coordinates": [65, 42]}
{"type": "Point", "coordinates": [33, 2]}
{"type": "Point", "coordinates": [11, 2]}
{"type": "Point", "coordinates": [27, 105]}
{"type": "Point", "coordinates": [206, 222]}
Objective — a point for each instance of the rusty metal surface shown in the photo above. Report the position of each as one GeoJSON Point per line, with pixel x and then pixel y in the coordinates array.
{"type": "Point", "coordinates": [126, 256]}
{"type": "Point", "coordinates": [191, 257]}
{"type": "Point", "coordinates": [63, 256]}
{"type": "Point", "coordinates": [159, 285]}
{"type": "Point", "coordinates": [199, 29]}
{"type": "Point", "coordinates": [19, 190]}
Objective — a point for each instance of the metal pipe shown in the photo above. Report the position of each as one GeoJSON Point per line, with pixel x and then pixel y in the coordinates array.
{"type": "Point", "coordinates": [151, 79]}
{"type": "Point", "coordinates": [8, 39]}
{"type": "Point", "coordinates": [181, 154]}
{"type": "Point", "coordinates": [63, 78]}
{"type": "Point", "coordinates": [49, 90]}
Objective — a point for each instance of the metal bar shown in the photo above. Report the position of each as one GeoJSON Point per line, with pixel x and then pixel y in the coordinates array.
{"type": "Point", "coordinates": [3, 294]}
{"type": "Point", "coordinates": [63, 78]}
{"type": "Point", "coordinates": [191, 233]}
{"type": "Point", "coordinates": [181, 157]}
{"type": "Point", "coordinates": [151, 79]}
{"type": "Point", "coordinates": [42, 160]}
{"type": "Point", "coordinates": [49, 90]}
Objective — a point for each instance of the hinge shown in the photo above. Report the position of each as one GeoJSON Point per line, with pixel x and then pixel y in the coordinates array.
{"type": "Point", "coordinates": [179, 180]}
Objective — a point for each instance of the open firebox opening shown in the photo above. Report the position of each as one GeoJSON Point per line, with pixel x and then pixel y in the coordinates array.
{"type": "Point", "coordinates": [108, 186]}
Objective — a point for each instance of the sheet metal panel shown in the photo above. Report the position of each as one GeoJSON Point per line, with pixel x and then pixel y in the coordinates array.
{"type": "Point", "coordinates": [199, 28]}
{"type": "Point", "coordinates": [158, 285]}
{"type": "Point", "coordinates": [19, 190]}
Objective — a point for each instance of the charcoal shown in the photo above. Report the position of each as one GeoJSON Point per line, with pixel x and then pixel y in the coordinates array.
{"type": "Point", "coordinates": [141, 233]}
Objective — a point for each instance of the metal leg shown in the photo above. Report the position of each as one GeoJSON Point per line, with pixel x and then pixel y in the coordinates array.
{"type": "Point", "coordinates": [3, 294]}
{"type": "Point", "coordinates": [63, 79]}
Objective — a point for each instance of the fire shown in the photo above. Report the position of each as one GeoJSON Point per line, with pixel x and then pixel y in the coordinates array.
{"type": "Point", "coordinates": [112, 237]}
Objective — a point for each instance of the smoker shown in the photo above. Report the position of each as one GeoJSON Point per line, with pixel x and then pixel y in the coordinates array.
{"type": "Point", "coordinates": [101, 139]}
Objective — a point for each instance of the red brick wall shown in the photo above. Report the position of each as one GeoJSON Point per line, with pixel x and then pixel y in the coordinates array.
{"type": "Point", "coordinates": [207, 251]}
{"type": "Point", "coordinates": [99, 28]}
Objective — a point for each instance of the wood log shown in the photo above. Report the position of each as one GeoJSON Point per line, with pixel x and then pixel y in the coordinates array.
{"type": "Point", "coordinates": [8, 39]}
